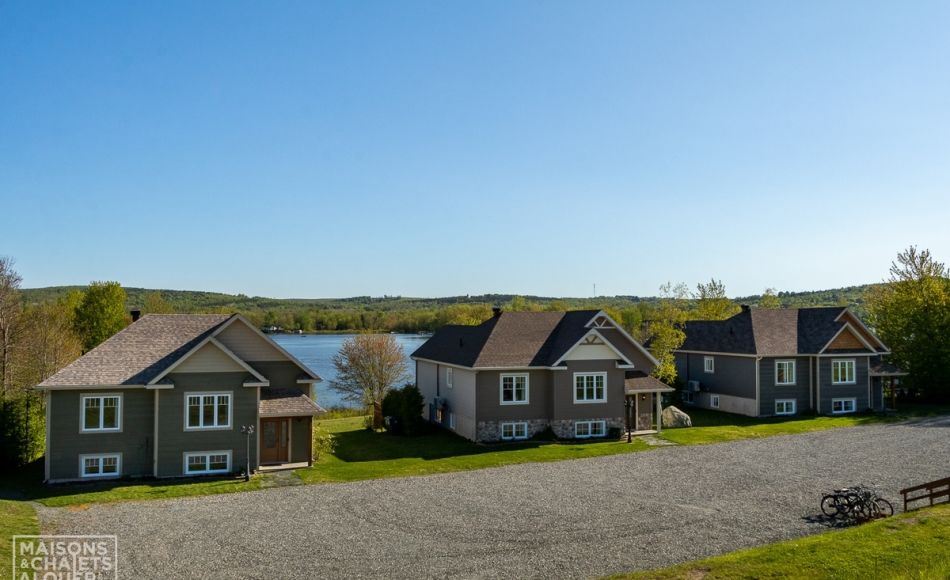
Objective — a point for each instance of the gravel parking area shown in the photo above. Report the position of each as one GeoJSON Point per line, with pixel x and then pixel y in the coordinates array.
{"type": "Point", "coordinates": [579, 518]}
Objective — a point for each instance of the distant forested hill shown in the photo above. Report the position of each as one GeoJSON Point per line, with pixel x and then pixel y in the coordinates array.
{"type": "Point", "coordinates": [405, 314]}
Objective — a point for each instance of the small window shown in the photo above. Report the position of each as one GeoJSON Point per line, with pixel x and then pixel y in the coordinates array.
{"type": "Point", "coordinates": [448, 377]}
{"type": "Point", "coordinates": [510, 431]}
{"type": "Point", "coordinates": [105, 465]}
{"type": "Point", "coordinates": [451, 420]}
{"type": "Point", "coordinates": [688, 396]}
{"type": "Point", "coordinates": [785, 406]}
{"type": "Point", "coordinates": [514, 389]}
{"type": "Point", "coordinates": [709, 364]}
{"type": "Point", "coordinates": [588, 429]}
{"type": "Point", "coordinates": [207, 411]}
{"type": "Point", "coordinates": [206, 462]}
{"type": "Point", "coordinates": [714, 401]}
{"type": "Point", "coordinates": [590, 387]}
{"type": "Point", "coordinates": [842, 372]}
{"type": "Point", "coordinates": [101, 413]}
{"type": "Point", "coordinates": [841, 406]}
{"type": "Point", "coordinates": [784, 372]}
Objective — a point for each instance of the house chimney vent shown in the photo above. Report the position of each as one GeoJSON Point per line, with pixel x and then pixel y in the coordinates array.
{"type": "Point", "coordinates": [136, 314]}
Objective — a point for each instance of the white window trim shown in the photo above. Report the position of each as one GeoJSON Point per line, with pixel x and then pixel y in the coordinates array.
{"type": "Point", "coordinates": [501, 389]}
{"type": "Point", "coordinates": [215, 394]}
{"type": "Point", "coordinates": [785, 402]}
{"type": "Point", "coordinates": [207, 455]}
{"type": "Point", "coordinates": [514, 428]}
{"type": "Point", "coordinates": [590, 429]}
{"type": "Point", "coordinates": [794, 368]}
{"type": "Point", "coordinates": [589, 401]}
{"type": "Point", "coordinates": [854, 371]}
{"type": "Point", "coordinates": [449, 377]}
{"type": "Point", "coordinates": [451, 420]}
{"type": "Point", "coordinates": [854, 405]}
{"type": "Point", "coordinates": [100, 457]}
{"type": "Point", "coordinates": [82, 413]}
{"type": "Point", "coordinates": [709, 365]}
{"type": "Point", "coordinates": [714, 401]}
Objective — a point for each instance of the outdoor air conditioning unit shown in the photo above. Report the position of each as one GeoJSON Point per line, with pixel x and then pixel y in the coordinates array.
{"type": "Point", "coordinates": [693, 386]}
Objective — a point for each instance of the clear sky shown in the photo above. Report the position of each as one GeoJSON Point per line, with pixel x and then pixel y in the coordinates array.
{"type": "Point", "coordinates": [438, 148]}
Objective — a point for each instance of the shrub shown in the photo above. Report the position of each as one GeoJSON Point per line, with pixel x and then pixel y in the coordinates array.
{"type": "Point", "coordinates": [403, 410]}
{"type": "Point", "coordinates": [323, 442]}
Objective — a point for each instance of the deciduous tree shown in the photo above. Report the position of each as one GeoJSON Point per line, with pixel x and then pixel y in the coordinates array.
{"type": "Point", "coordinates": [911, 314]}
{"type": "Point", "coordinates": [666, 329]}
{"type": "Point", "coordinates": [9, 319]}
{"type": "Point", "coordinates": [101, 313]}
{"type": "Point", "coordinates": [769, 299]}
{"type": "Point", "coordinates": [367, 366]}
{"type": "Point", "coordinates": [712, 302]}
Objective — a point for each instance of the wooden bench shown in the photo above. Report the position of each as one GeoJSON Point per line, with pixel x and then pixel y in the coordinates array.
{"type": "Point", "coordinates": [933, 491]}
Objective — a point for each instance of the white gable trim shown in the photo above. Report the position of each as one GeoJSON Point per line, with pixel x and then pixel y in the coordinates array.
{"type": "Point", "coordinates": [625, 334]}
{"type": "Point", "coordinates": [854, 318]}
{"type": "Point", "coordinates": [854, 333]}
{"type": "Point", "coordinates": [209, 340]}
{"type": "Point", "coordinates": [592, 332]}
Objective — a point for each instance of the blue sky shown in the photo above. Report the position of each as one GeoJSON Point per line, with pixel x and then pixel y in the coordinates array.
{"type": "Point", "coordinates": [440, 148]}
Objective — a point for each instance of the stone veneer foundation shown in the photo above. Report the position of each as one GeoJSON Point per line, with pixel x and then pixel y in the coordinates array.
{"type": "Point", "coordinates": [490, 431]}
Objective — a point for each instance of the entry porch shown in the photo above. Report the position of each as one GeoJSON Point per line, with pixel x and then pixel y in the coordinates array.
{"type": "Point", "coordinates": [644, 403]}
{"type": "Point", "coordinates": [286, 429]}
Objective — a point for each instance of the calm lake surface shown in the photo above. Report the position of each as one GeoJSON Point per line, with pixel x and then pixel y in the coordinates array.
{"type": "Point", "coordinates": [317, 350]}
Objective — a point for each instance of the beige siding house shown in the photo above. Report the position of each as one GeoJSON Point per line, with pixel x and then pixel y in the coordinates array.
{"type": "Point", "coordinates": [519, 373]}
{"type": "Point", "coordinates": [169, 396]}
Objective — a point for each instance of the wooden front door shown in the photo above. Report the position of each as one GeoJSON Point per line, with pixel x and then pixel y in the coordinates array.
{"type": "Point", "coordinates": [275, 440]}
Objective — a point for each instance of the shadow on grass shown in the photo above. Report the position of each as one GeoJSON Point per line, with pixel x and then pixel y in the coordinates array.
{"type": "Point", "coordinates": [366, 445]}
{"type": "Point", "coordinates": [26, 483]}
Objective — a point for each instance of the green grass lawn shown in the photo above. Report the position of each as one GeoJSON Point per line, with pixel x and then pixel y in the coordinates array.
{"type": "Point", "coordinates": [908, 546]}
{"type": "Point", "coordinates": [364, 454]}
{"type": "Point", "coordinates": [17, 518]}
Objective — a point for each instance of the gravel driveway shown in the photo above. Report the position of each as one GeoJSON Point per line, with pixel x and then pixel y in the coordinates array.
{"type": "Point", "coordinates": [570, 519]}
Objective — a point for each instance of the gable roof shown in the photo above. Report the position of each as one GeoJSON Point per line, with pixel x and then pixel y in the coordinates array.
{"type": "Point", "coordinates": [151, 347]}
{"type": "Point", "coordinates": [511, 339]}
{"type": "Point", "coordinates": [774, 332]}
{"type": "Point", "coordinates": [140, 352]}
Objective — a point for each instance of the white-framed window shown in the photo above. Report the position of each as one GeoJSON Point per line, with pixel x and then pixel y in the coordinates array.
{"type": "Point", "coordinates": [207, 411]}
{"type": "Point", "coordinates": [590, 387]}
{"type": "Point", "coordinates": [514, 389]}
{"type": "Point", "coordinates": [785, 406]}
{"type": "Point", "coordinates": [451, 420]}
{"type": "Point", "coordinates": [100, 465]}
{"type": "Point", "coordinates": [587, 429]}
{"type": "Point", "coordinates": [714, 401]}
{"type": "Point", "coordinates": [510, 431]}
{"type": "Point", "coordinates": [688, 396]}
{"type": "Point", "coordinates": [201, 462]}
{"type": "Point", "coordinates": [785, 372]}
{"type": "Point", "coordinates": [448, 377]}
{"type": "Point", "coordinates": [840, 406]}
{"type": "Point", "coordinates": [100, 413]}
{"type": "Point", "coordinates": [709, 364]}
{"type": "Point", "coordinates": [842, 371]}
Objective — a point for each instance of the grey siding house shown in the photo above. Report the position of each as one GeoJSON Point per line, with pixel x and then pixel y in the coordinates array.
{"type": "Point", "coordinates": [519, 373]}
{"type": "Point", "coordinates": [168, 397]}
{"type": "Point", "coordinates": [764, 362]}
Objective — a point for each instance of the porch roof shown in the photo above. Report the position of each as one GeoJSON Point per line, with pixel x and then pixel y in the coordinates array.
{"type": "Point", "coordinates": [640, 382]}
{"type": "Point", "coordinates": [282, 402]}
{"type": "Point", "coordinates": [886, 369]}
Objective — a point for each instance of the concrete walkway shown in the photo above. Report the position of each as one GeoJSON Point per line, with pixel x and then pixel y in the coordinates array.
{"type": "Point", "coordinates": [579, 518]}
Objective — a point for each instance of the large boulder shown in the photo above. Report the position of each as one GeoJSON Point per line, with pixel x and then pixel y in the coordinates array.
{"type": "Point", "coordinates": [673, 417]}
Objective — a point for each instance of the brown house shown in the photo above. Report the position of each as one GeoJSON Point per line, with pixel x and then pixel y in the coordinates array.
{"type": "Point", "coordinates": [519, 373]}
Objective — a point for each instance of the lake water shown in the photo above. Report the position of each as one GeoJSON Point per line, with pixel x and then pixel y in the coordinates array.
{"type": "Point", "coordinates": [317, 350]}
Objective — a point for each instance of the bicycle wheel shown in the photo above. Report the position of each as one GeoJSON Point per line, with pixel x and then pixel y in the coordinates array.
{"type": "Point", "coordinates": [884, 507]}
{"type": "Point", "coordinates": [829, 506]}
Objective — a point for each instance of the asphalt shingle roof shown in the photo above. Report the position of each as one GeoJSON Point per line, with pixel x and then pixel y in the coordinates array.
{"type": "Point", "coordinates": [766, 332]}
{"type": "Point", "coordinates": [511, 339]}
{"type": "Point", "coordinates": [286, 402]}
{"type": "Point", "coordinates": [140, 352]}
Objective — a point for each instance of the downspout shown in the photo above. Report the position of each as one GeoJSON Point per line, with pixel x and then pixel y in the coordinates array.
{"type": "Point", "coordinates": [257, 446]}
{"type": "Point", "coordinates": [811, 386]}
{"type": "Point", "coordinates": [758, 376]}
{"type": "Point", "coordinates": [155, 436]}
{"type": "Point", "coordinates": [818, 385]}
{"type": "Point", "coordinates": [49, 412]}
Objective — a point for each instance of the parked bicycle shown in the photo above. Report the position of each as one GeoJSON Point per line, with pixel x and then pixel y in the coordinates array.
{"type": "Point", "coordinates": [857, 503]}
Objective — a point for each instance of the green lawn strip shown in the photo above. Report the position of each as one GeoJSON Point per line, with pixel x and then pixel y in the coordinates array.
{"type": "Point", "coordinates": [17, 518]}
{"type": "Point", "coordinates": [364, 454]}
{"type": "Point", "coordinates": [911, 545]}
